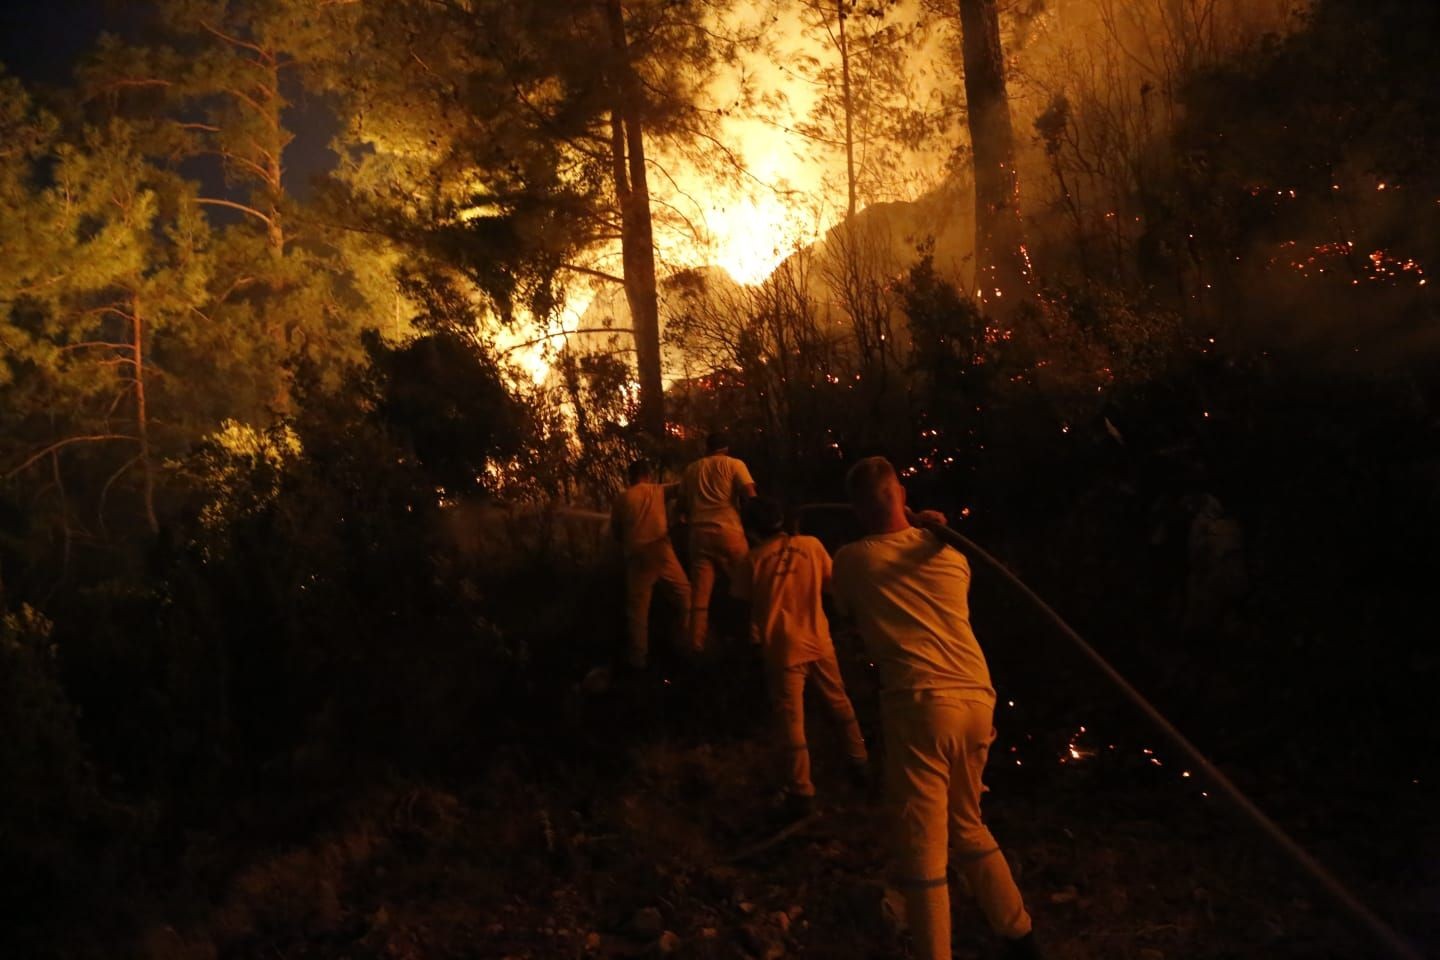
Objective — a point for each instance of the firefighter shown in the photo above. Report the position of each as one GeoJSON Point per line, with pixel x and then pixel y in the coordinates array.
{"type": "Point", "coordinates": [638, 521]}
{"type": "Point", "coordinates": [908, 595]}
{"type": "Point", "coordinates": [711, 492]}
{"type": "Point", "coordinates": [782, 579]}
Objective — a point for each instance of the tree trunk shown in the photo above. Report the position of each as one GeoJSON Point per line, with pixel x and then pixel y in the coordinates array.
{"type": "Point", "coordinates": [841, 14]}
{"type": "Point", "coordinates": [272, 155]}
{"type": "Point", "coordinates": [142, 416]}
{"type": "Point", "coordinates": [637, 239]}
{"type": "Point", "coordinates": [272, 175]}
{"type": "Point", "coordinates": [1001, 263]}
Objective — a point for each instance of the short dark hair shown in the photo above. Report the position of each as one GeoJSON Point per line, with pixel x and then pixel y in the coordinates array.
{"type": "Point", "coordinates": [764, 515]}
{"type": "Point", "coordinates": [718, 440]}
{"type": "Point", "coordinates": [639, 470]}
{"type": "Point", "coordinates": [864, 479]}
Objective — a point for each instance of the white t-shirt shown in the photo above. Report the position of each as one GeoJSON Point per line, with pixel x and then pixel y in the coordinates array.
{"type": "Point", "coordinates": [638, 516]}
{"type": "Point", "coordinates": [711, 489]}
{"type": "Point", "coordinates": [909, 595]}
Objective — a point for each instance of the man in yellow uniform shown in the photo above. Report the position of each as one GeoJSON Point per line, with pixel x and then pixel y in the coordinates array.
{"type": "Point", "coordinates": [638, 521]}
{"type": "Point", "coordinates": [908, 594]}
{"type": "Point", "coordinates": [711, 492]}
{"type": "Point", "coordinates": [782, 579]}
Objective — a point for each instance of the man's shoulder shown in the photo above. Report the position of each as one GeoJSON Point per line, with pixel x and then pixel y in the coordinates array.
{"type": "Point", "coordinates": [851, 554]}
{"type": "Point", "coordinates": [807, 542]}
{"type": "Point", "coordinates": [735, 465]}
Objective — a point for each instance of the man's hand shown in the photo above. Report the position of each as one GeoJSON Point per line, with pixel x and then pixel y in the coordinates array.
{"type": "Point", "coordinates": [927, 519]}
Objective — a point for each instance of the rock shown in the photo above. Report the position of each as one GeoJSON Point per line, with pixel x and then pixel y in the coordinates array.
{"type": "Point", "coordinates": [1068, 895]}
{"type": "Point", "coordinates": [746, 907]}
{"type": "Point", "coordinates": [647, 923]}
{"type": "Point", "coordinates": [781, 919]}
{"type": "Point", "coordinates": [760, 942]}
{"type": "Point", "coordinates": [165, 943]}
{"type": "Point", "coordinates": [709, 933]}
{"type": "Point", "coordinates": [592, 941]}
{"type": "Point", "coordinates": [668, 943]}
{"type": "Point", "coordinates": [597, 681]}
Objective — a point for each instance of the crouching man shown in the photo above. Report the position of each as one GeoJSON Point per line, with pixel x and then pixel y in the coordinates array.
{"type": "Point", "coordinates": [908, 595]}
{"type": "Point", "coordinates": [639, 523]}
{"type": "Point", "coordinates": [782, 579]}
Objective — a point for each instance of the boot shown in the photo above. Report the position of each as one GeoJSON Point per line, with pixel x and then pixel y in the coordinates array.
{"type": "Point", "coordinates": [793, 807]}
{"type": "Point", "coordinates": [1023, 948]}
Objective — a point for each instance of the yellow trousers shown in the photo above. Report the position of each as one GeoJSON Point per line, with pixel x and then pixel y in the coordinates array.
{"type": "Point", "coordinates": [648, 564]}
{"type": "Point", "coordinates": [787, 694]}
{"type": "Point", "coordinates": [935, 752]}
{"type": "Point", "coordinates": [712, 547]}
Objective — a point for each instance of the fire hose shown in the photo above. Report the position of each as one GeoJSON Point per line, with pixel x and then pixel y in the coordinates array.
{"type": "Point", "coordinates": [1384, 934]}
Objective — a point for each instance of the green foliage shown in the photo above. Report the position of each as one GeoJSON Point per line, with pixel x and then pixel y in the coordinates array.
{"type": "Point", "coordinates": [41, 749]}
{"type": "Point", "coordinates": [123, 259]}
{"type": "Point", "coordinates": [50, 811]}
{"type": "Point", "coordinates": [451, 407]}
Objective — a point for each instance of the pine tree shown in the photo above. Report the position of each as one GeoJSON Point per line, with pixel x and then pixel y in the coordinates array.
{"type": "Point", "coordinates": [866, 104]}
{"type": "Point", "coordinates": [211, 86]}
{"type": "Point", "coordinates": [1001, 262]}
{"type": "Point", "coordinates": [116, 257]}
{"type": "Point", "coordinates": [513, 142]}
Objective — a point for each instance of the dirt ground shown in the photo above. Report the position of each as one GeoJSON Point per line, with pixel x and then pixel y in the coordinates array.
{"type": "Point", "coordinates": [621, 841]}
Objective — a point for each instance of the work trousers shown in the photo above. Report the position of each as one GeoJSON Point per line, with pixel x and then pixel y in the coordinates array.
{"type": "Point", "coordinates": [787, 694]}
{"type": "Point", "coordinates": [712, 547]}
{"type": "Point", "coordinates": [650, 563]}
{"type": "Point", "coordinates": [935, 751]}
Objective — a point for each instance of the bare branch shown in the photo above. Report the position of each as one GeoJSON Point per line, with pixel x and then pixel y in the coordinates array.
{"type": "Point", "coordinates": [105, 490]}
{"type": "Point", "coordinates": [565, 333]}
{"type": "Point", "coordinates": [98, 344]}
{"type": "Point", "coordinates": [243, 208]}
{"type": "Point", "coordinates": [237, 42]}
{"type": "Point", "coordinates": [69, 441]}
{"type": "Point", "coordinates": [591, 272]}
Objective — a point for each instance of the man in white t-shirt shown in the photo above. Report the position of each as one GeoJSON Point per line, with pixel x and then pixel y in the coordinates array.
{"type": "Point", "coordinates": [711, 492]}
{"type": "Point", "coordinates": [639, 523]}
{"type": "Point", "coordinates": [908, 594]}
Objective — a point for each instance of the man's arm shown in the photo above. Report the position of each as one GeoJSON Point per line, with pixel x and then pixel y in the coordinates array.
{"type": "Point", "coordinates": [827, 567]}
{"type": "Point", "coordinates": [926, 519]}
{"type": "Point", "coordinates": [740, 583]}
{"type": "Point", "coordinates": [744, 483]}
{"type": "Point", "coordinates": [742, 588]}
{"type": "Point", "coordinates": [834, 585]}
{"type": "Point", "coordinates": [684, 494]}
